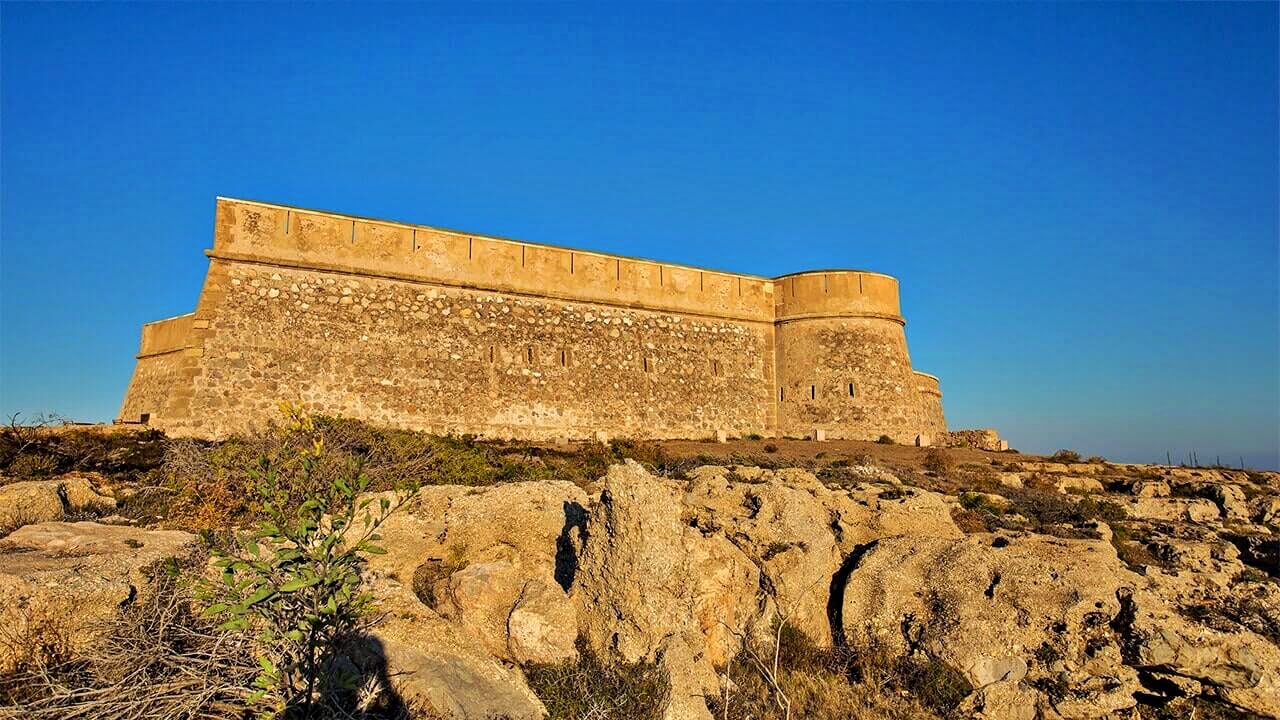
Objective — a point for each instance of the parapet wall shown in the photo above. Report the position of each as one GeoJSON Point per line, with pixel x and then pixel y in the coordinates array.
{"type": "Point", "coordinates": [317, 240]}
{"type": "Point", "coordinates": [434, 329]}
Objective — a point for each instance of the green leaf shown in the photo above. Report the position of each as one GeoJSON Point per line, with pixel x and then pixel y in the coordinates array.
{"type": "Point", "coordinates": [267, 665]}
{"type": "Point", "coordinates": [261, 594]}
{"type": "Point", "coordinates": [300, 583]}
{"type": "Point", "coordinates": [215, 609]}
{"type": "Point", "coordinates": [284, 556]}
{"type": "Point", "coordinates": [373, 549]}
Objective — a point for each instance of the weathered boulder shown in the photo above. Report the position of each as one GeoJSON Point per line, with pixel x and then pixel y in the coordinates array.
{"type": "Point", "coordinates": [1194, 510]}
{"type": "Point", "coordinates": [1011, 479]}
{"type": "Point", "coordinates": [1044, 467]}
{"type": "Point", "coordinates": [798, 532]}
{"type": "Point", "coordinates": [1231, 500]}
{"type": "Point", "coordinates": [1241, 667]}
{"type": "Point", "coordinates": [1151, 489]}
{"type": "Point", "coordinates": [1078, 483]}
{"type": "Point", "coordinates": [37, 501]}
{"type": "Point", "coordinates": [476, 555]}
{"type": "Point", "coordinates": [1267, 510]}
{"type": "Point", "coordinates": [82, 570]}
{"type": "Point", "coordinates": [634, 585]}
{"type": "Point", "coordinates": [542, 626]}
{"type": "Point", "coordinates": [1000, 610]}
{"type": "Point", "coordinates": [430, 660]}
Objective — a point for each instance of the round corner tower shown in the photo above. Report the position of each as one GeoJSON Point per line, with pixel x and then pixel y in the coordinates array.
{"type": "Point", "coordinates": [842, 361]}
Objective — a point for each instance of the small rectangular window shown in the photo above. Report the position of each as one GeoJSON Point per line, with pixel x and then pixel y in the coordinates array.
{"type": "Point", "coordinates": [528, 354]}
{"type": "Point", "coordinates": [145, 418]}
{"type": "Point", "coordinates": [715, 368]}
{"type": "Point", "coordinates": [850, 389]}
{"type": "Point", "coordinates": [492, 354]}
{"type": "Point", "coordinates": [565, 358]}
{"type": "Point", "coordinates": [782, 394]}
{"type": "Point", "coordinates": [645, 362]}
{"type": "Point", "coordinates": [813, 392]}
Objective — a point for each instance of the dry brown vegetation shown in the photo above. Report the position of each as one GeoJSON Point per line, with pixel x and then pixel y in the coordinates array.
{"type": "Point", "coordinates": [836, 683]}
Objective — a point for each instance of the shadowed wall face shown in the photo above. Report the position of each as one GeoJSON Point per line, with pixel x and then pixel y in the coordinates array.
{"type": "Point", "coordinates": [453, 333]}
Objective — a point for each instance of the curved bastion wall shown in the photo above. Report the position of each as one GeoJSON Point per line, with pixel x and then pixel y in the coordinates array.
{"type": "Point", "coordinates": [451, 332]}
{"type": "Point", "coordinates": [842, 359]}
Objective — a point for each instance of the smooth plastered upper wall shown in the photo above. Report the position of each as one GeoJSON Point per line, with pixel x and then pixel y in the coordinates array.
{"type": "Point", "coordinates": [305, 238]}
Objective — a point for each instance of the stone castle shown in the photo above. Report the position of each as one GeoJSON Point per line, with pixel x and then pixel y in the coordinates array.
{"type": "Point", "coordinates": [450, 332]}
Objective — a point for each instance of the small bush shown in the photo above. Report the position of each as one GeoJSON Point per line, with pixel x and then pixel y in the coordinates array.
{"type": "Point", "coordinates": [755, 436]}
{"type": "Point", "coordinates": [885, 440]}
{"type": "Point", "coordinates": [770, 448]}
{"type": "Point", "coordinates": [592, 688]}
{"type": "Point", "coordinates": [1065, 456]}
{"type": "Point", "coordinates": [1096, 459]}
{"type": "Point", "coordinates": [937, 461]}
{"type": "Point", "coordinates": [972, 521]}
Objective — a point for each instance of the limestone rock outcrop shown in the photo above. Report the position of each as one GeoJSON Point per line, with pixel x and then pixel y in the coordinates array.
{"type": "Point", "coordinates": [1177, 601]}
{"type": "Point", "coordinates": [37, 501]}
{"type": "Point", "coordinates": [82, 571]}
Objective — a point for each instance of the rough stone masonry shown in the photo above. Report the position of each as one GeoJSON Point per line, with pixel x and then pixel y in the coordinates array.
{"type": "Point", "coordinates": [450, 332]}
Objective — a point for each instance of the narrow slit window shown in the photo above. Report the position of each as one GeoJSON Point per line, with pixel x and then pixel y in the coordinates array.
{"type": "Point", "coordinates": [492, 354]}
{"type": "Point", "coordinates": [645, 361]}
{"type": "Point", "coordinates": [850, 389]}
{"type": "Point", "coordinates": [528, 354]}
{"type": "Point", "coordinates": [715, 368]}
{"type": "Point", "coordinates": [782, 394]}
{"type": "Point", "coordinates": [564, 358]}
{"type": "Point", "coordinates": [813, 392]}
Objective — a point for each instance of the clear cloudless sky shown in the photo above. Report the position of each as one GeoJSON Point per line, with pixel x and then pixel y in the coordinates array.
{"type": "Point", "coordinates": [1081, 201]}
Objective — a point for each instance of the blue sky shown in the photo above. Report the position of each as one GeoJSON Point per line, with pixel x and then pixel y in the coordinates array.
{"type": "Point", "coordinates": [1081, 201]}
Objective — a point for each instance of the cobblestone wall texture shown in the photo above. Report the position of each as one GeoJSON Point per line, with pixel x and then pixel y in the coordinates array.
{"type": "Point", "coordinates": [449, 332]}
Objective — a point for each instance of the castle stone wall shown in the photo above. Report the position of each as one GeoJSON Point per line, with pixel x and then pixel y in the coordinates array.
{"type": "Point", "coordinates": [443, 331]}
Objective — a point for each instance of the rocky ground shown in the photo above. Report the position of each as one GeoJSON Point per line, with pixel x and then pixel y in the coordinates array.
{"type": "Point", "coordinates": [926, 583]}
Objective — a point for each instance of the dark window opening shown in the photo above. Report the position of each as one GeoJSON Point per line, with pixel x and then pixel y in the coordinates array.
{"type": "Point", "coordinates": [528, 354]}
{"type": "Point", "coordinates": [850, 389]}
{"type": "Point", "coordinates": [715, 368]}
{"type": "Point", "coordinates": [564, 358]}
{"type": "Point", "coordinates": [645, 362]}
{"type": "Point", "coordinates": [782, 394]}
{"type": "Point", "coordinates": [492, 354]}
{"type": "Point", "coordinates": [813, 392]}
{"type": "Point", "coordinates": [145, 418]}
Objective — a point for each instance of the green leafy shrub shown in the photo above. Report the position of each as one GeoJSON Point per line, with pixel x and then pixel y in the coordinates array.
{"type": "Point", "coordinates": [295, 581]}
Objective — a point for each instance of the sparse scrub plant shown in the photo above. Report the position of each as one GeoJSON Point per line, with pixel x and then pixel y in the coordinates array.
{"type": "Point", "coordinates": [937, 461]}
{"type": "Point", "coordinates": [1065, 456]}
{"type": "Point", "coordinates": [598, 690]}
